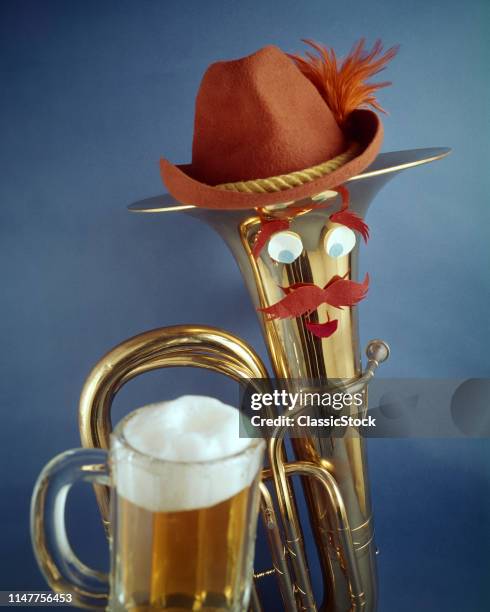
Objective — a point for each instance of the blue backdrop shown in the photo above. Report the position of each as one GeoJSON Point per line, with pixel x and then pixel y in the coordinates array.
{"type": "Point", "coordinates": [92, 94]}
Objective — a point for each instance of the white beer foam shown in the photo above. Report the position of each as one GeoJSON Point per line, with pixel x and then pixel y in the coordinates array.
{"type": "Point", "coordinates": [175, 437]}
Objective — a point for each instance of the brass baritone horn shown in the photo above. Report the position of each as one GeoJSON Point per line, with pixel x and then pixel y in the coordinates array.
{"type": "Point", "coordinates": [334, 469]}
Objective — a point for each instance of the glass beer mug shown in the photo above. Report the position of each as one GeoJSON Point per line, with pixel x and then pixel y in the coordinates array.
{"type": "Point", "coordinates": [184, 504]}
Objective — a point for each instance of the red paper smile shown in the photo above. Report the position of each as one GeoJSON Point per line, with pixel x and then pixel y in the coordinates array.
{"type": "Point", "coordinates": [323, 330]}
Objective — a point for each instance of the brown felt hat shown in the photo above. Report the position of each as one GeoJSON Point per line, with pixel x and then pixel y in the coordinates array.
{"type": "Point", "coordinates": [264, 134]}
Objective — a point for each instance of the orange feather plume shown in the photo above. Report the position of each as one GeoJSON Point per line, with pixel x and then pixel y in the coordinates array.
{"type": "Point", "coordinates": [343, 84]}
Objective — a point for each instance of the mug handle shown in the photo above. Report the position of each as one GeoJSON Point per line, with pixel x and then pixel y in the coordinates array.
{"type": "Point", "coordinates": [63, 571]}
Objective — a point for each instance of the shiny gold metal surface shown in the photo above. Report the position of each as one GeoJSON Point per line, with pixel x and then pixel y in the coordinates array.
{"type": "Point", "coordinates": [296, 354]}
{"type": "Point", "coordinates": [334, 470]}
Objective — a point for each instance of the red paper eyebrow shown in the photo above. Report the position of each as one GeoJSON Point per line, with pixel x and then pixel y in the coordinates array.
{"type": "Point", "coordinates": [348, 218]}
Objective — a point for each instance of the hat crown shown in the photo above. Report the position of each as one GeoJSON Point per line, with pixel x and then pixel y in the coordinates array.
{"type": "Point", "coordinates": [259, 116]}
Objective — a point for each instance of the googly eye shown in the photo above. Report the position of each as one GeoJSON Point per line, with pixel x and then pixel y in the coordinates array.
{"type": "Point", "coordinates": [339, 241]}
{"type": "Point", "coordinates": [285, 247]}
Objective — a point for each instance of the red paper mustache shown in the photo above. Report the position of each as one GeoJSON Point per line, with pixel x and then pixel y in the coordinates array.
{"type": "Point", "coordinates": [304, 298]}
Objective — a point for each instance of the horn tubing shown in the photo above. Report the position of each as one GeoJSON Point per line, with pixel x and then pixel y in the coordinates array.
{"type": "Point", "coordinates": [181, 345]}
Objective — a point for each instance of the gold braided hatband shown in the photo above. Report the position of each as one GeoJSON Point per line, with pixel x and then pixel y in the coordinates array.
{"type": "Point", "coordinates": [293, 179]}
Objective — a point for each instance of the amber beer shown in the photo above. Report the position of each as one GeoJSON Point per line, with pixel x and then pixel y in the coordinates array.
{"type": "Point", "coordinates": [184, 509]}
{"type": "Point", "coordinates": [189, 560]}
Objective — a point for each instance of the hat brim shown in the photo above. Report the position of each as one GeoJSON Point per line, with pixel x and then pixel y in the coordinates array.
{"type": "Point", "coordinates": [385, 164]}
{"type": "Point", "coordinates": [365, 129]}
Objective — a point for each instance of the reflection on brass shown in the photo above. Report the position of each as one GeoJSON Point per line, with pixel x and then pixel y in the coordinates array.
{"type": "Point", "coordinates": [333, 469]}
